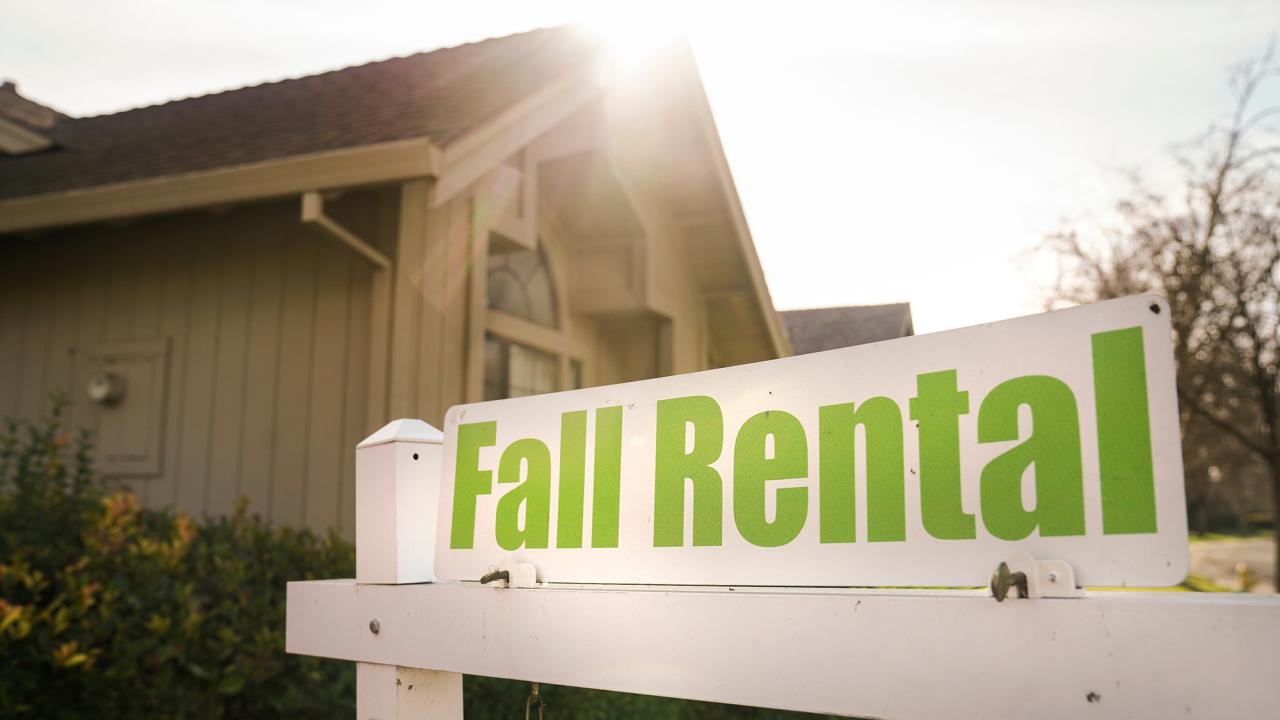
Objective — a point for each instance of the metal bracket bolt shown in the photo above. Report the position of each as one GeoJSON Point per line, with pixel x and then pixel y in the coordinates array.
{"type": "Point", "coordinates": [1004, 580]}
{"type": "Point", "coordinates": [495, 575]}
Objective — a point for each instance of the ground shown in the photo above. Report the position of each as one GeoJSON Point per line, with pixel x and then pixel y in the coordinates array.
{"type": "Point", "coordinates": [1216, 559]}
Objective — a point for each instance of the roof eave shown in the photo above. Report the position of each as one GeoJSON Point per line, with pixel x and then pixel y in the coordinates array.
{"type": "Point", "coordinates": [777, 333]}
{"type": "Point", "coordinates": [349, 167]}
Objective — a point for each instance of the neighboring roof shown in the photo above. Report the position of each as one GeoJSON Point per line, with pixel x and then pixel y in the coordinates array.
{"type": "Point", "coordinates": [438, 95]}
{"type": "Point", "coordinates": [15, 108]}
{"type": "Point", "coordinates": [836, 327]}
{"type": "Point", "coordinates": [23, 122]}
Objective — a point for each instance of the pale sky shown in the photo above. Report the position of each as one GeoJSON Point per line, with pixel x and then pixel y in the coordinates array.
{"type": "Point", "coordinates": [883, 151]}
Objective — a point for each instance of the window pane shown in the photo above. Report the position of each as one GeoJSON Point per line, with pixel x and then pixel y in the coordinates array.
{"type": "Point", "coordinates": [520, 284]}
{"type": "Point", "coordinates": [507, 292]}
{"type": "Point", "coordinates": [514, 370]}
{"type": "Point", "coordinates": [495, 368]}
{"type": "Point", "coordinates": [530, 372]}
{"type": "Point", "coordinates": [575, 374]}
{"type": "Point", "coordinates": [542, 302]}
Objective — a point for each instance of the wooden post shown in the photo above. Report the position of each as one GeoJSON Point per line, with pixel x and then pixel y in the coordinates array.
{"type": "Point", "coordinates": [397, 489]}
{"type": "Point", "coordinates": [387, 692]}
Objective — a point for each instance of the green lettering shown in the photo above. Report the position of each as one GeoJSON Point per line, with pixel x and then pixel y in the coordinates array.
{"type": "Point", "coordinates": [469, 481]}
{"type": "Point", "coordinates": [937, 408]}
{"type": "Point", "coordinates": [886, 505]}
{"type": "Point", "coordinates": [534, 494]}
{"type": "Point", "coordinates": [753, 468]}
{"type": "Point", "coordinates": [608, 477]}
{"type": "Point", "coordinates": [1124, 433]}
{"type": "Point", "coordinates": [675, 462]}
{"type": "Point", "coordinates": [573, 470]}
{"type": "Point", "coordinates": [1053, 448]}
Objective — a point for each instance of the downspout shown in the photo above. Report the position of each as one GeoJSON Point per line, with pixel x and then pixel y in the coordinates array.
{"type": "Point", "coordinates": [379, 302]}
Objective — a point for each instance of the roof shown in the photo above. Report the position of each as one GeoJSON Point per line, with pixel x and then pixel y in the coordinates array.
{"type": "Point", "coordinates": [829, 328]}
{"type": "Point", "coordinates": [439, 95]}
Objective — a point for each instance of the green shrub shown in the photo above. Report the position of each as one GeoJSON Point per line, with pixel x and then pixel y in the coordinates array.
{"type": "Point", "coordinates": [111, 610]}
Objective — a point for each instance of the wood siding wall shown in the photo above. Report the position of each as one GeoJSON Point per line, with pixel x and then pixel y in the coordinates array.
{"type": "Point", "coordinates": [429, 331]}
{"type": "Point", "coordinates": [268, 327]}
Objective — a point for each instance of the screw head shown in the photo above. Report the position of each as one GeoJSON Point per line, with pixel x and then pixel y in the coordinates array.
{"type": "Point", "coordinates": [374, 626]}
{"type": "Point", "coordinates": [1053, 577]}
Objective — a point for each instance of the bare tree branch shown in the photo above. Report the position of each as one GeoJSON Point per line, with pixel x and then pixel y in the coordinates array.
{"type": "Point", "coordinates": [1215, 254]}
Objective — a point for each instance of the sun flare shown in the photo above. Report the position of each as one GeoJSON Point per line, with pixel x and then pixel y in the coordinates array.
{"type": "Point", "coordinates": [632, 39]}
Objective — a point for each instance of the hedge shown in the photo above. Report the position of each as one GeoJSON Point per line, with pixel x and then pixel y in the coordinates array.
{"type": "Point", "coordinates": [111, 610]}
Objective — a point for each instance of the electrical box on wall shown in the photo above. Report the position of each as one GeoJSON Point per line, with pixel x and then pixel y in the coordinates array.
{"type": "Point", "coordinates": [127, 383]}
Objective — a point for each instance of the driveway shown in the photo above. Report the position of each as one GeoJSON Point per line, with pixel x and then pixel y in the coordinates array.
{"type": "Point", "coordinates": [1216, 560]}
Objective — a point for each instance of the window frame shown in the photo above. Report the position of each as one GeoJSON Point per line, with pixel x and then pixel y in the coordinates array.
{"type": "Point", "coordinates": [558, 341]}
{"type": "Point", "coordinates": [557, 318]}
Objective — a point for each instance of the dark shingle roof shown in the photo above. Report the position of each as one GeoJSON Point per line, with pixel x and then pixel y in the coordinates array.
{"type": "Point", "coordinates": [836, 327]}
{"type": "Point", "coordinates": [438, 95]}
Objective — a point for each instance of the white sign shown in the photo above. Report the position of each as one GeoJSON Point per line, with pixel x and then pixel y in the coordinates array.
{"type": "Point", "coordinates": [921, 461]}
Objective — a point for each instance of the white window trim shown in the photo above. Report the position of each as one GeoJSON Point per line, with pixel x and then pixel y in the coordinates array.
{"type": "Point", "coordinates": [557, 341]}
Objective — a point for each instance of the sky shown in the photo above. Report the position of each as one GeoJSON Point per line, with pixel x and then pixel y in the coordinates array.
{"type": "Point", "coordinates": [883, 151]}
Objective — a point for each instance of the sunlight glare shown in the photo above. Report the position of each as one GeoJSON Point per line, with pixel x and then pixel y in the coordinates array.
{"type": "Point", "coordinates": [633, 38]}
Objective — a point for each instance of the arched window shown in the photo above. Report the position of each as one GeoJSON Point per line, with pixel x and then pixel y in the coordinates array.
{"type": "Point", "coordinates": [520, 284]}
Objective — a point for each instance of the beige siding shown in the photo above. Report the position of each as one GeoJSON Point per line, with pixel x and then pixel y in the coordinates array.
{"type": "Point", "coordinates": [670, 337]}
{"type": "Point", "coordinates": [13, 302]}
{"type": "Point", "coordinates": [263, 371]}
{"type": "Point", "coordinates": [434, 294]}
{"type": "Point", "coordinates": [676, 292]}
{"type": "Point", "coordinates": [273, 375]}
{"type": "Point", "coordinates": [267, 322]}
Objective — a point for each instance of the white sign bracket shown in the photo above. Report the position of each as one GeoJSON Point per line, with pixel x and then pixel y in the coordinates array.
{"type": "Point", "coordinates": [1033, 578]}
{"type": "Point", "coordinates": [508, 574]}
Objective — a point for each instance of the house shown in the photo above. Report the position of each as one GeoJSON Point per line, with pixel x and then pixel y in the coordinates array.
{"type": "Point", "coordinates": [819, 329]}
{"type": "Point", "coordinates": [235, 289]}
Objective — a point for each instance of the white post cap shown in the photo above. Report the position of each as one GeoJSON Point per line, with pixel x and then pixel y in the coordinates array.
{"type": "Point", "coordinates": [403, 430]}
{"type": "Point", "coordinates": [398, 471]}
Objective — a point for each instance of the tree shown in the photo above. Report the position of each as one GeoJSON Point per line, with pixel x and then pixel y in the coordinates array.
{"type": "Point", "coordinates": [1213, 249]}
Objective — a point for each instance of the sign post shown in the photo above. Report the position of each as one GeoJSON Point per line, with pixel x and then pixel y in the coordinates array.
{"type": "Point", "coordinates": [753, 535]}
{"type": "Point", "coordinates": [396, 478]}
